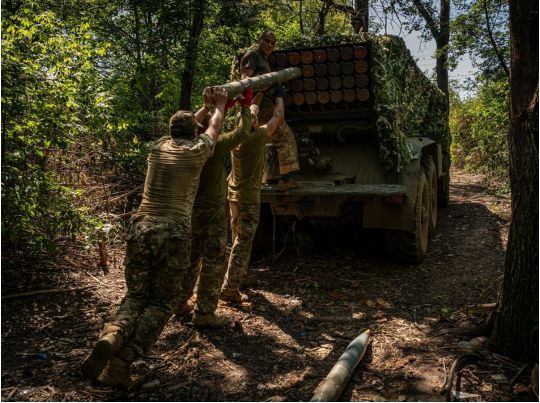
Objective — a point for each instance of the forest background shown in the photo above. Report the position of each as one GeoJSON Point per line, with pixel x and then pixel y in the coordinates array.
{"type": "Point", "coordinates": [88, 85]}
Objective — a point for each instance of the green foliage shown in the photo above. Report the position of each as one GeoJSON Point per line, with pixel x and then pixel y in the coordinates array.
{"type": "Point", "coordinates": [479, 127]}
{"type": "Point", "coordinates": [470, 36]}
{"type": "Point", "coordinates": [104, 76]}
{"type": "Point", "coordinates": [44, 64]}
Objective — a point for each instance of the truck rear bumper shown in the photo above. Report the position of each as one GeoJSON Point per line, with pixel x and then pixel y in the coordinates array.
{"type": "Point", "coordinates": [329, 200]}
{"type": "Point", "coordinates": [355, 191]}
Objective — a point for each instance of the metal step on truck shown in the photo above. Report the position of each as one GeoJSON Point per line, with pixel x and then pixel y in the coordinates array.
{"type": "Point", "coordinates": [373, 140]}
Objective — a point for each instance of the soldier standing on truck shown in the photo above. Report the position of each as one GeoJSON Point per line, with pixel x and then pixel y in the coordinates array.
{"type": "Point", "coordinates": [209, 227]}
{"type": "Point", "coordinates": [244, 197]}
{"type": "Point", "coordinates": [254, 63]}
{"type": "Point", "coordinates": [158, 246]}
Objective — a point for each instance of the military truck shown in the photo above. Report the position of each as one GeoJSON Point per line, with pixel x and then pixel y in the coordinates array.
{"type": "Point", "coordinates": [373, 139]}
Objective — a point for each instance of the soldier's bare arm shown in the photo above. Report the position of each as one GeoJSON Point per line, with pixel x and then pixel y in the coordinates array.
{"type": "Point", "coordinates": [279, 112]}
{"type": "Point", "coordinates": [208, 100]}
{"type": "Point", "coordinates": [216, 122]}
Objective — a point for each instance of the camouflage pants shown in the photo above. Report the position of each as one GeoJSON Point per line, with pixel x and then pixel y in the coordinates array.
{"type": "Point", "coordinates": [208, 260]}
{"type": "Point", "coordinates": [244, 222]}
{"type": "Point", "coordinates": [285, 144]}
{"type": "Point", "coordinates": [157, 256]}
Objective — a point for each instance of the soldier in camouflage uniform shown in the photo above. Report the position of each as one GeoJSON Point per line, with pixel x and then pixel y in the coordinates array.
{"type": "Point", "coordinates": [254, 63]}
{"type": "Point", "coordinates": [209, 228]}
{"type": "Point", "coordinates": [244, 198]}
{"type": "Point", "coordinates": [158, 246]}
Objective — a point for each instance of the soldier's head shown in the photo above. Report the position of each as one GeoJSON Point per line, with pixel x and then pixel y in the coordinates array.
{"type": "Point", "coordinates": [267, 43]}
{"type": "Point", "coordinates": [182, 125]}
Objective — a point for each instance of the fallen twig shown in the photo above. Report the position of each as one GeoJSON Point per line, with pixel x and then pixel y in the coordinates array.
{"type": "Point", "coordinates": [481, 308]}
{"type": "Point", "coordinates": [97, 279]}
{"type": "Point", "coordinates": [11, 394]}
{"type": "Point", "coordinates": [518, 374]}
{"type": "Point", "coordinates": [346, 319]}
{"type": "Point", "coordinates": [136, 189]}
{"type": "Point", "coordinates": [459, 363]}
{"type": "Point", "coordinates": [40, 292]}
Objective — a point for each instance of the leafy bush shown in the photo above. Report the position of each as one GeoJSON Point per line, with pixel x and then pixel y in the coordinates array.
{"type": "Point", "coordinates": [479, 126]}
{"type": "Point", "coordinates": [44, 63]}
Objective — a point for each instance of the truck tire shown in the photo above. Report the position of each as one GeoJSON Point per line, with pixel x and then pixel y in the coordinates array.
{"type": "Point", "coordinates": [431, 176]}
{"type": "Point", "coordinates": [411, 246]}
{"type": "Point", "coordinates": [443, 189]}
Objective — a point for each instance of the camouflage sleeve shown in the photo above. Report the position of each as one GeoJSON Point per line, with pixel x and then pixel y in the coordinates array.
{"type": "Point", "coordinates": [249, 60]}
{"type": "Point", "coordinates": [228, 141]}
{"type": "Point", "coordinates": [263, 131]}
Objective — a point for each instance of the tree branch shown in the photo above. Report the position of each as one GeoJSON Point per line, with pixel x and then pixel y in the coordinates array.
{"type": "Point", "coordinates": [430, 22]}
{"type": "Point", "coordinates": [494, 44]}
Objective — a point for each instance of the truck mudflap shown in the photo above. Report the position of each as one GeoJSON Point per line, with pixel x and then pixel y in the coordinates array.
{"type": "Point", "coordinates": [327, 200]}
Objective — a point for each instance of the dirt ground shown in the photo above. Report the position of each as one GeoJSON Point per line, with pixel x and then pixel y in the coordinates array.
{"type": "Point", "coordinates": [305, 307]}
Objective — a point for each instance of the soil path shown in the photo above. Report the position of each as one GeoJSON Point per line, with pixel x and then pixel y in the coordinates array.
{"type": "Point", "coordinates": [304, 309]}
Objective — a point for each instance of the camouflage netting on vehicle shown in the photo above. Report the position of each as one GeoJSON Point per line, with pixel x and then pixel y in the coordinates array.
{"type": "Point", "coordinates": [407, 103]}
{"type": "Point", "coordinates": [235, 65]}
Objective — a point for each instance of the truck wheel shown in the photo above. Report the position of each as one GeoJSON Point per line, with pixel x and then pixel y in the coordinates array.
{"type": "Point", "coordinates": [411, 246]}
{"type": "Point", "coordinates": [443, 190]}
{"type": "Point", "coordinates": [431, 176]}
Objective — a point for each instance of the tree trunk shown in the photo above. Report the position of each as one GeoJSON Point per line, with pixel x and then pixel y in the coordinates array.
{"type": "Point", "coordinates": [441, 34]}
{"type": "Point", "coordinates": [360, 19]}
{"type": "Point", "coordinates": [515, 332]}
{"type": "Point", "coordinates": [442, 48]}
{"type": "Point", "coordinates": [191, 54]}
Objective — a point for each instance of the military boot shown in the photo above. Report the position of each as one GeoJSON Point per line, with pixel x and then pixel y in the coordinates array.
{"type": "Point", "coordinates": [209, 320]}
{"type": "Point", "coordinates": [116, 374]}
{"type": "Point", "coordinates": [103, 351]}
{"type": "Point", "coordinates": [234, 296]}
{"type": "Point", "coordinates": [185, 308]}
